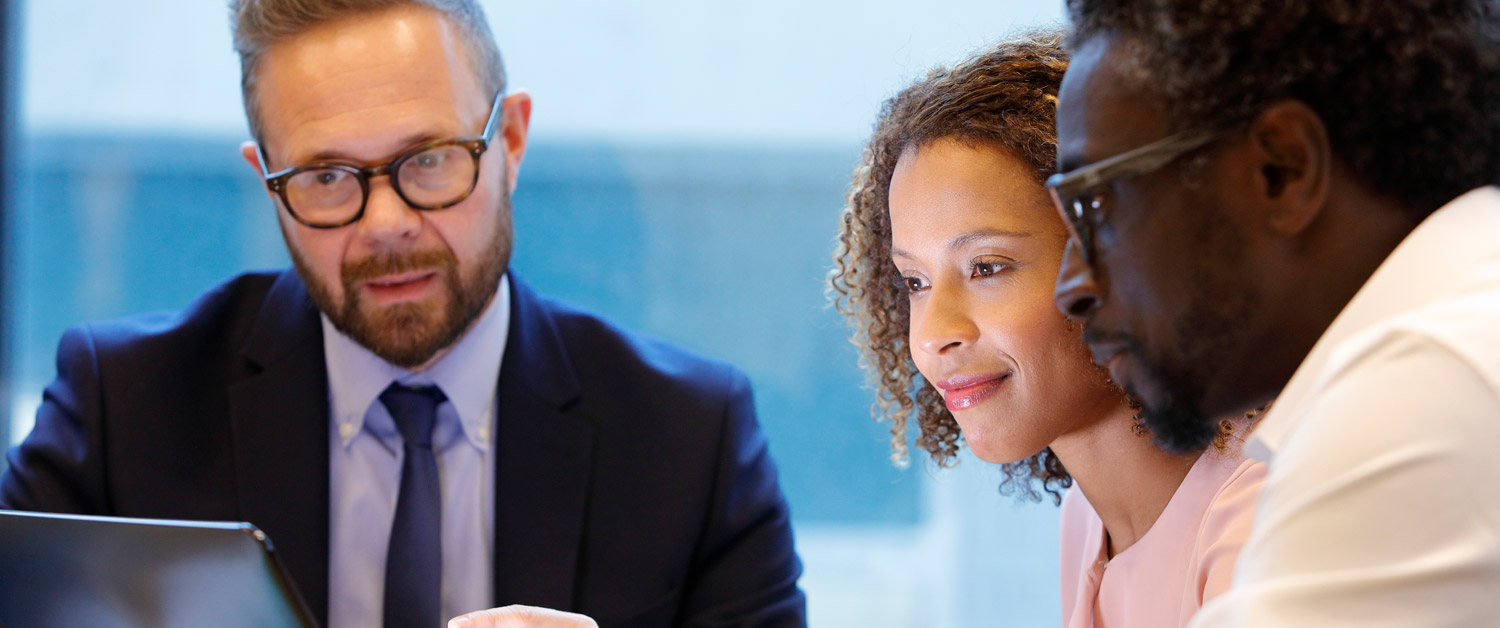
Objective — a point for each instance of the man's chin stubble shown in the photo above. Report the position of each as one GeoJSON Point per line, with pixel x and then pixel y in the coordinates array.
{"type": "Point", "coordinates": [1172, 414]}
{"type": "Point", "coordinates": [406, 335]}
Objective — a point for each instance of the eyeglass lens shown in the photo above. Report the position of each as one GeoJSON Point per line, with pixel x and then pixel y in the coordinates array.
{"type": "Point", "coordinates": [1082, 212]}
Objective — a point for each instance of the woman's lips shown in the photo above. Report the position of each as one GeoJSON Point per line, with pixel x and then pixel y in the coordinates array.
{"type": "Point", "coordinates": [964, 392]}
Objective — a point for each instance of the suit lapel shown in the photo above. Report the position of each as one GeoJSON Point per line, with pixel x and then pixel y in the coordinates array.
{"type": "Point", "coordinates": [544, 463]}
{"type": "Point", "coordinates": [544, 454]}
{"type": "Point", "coordinates": [279, 416]}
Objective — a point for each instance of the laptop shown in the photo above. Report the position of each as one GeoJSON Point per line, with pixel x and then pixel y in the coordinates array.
{"type": "Point", "coordinates": [70, 571]}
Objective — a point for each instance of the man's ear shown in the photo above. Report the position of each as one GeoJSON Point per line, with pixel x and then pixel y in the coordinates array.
{"type": "Point", "coordinates": [516, 122]}
{"type": "Point", "coordinates": [250, 152]}
{"type": "Point", "coordinates": [1295, 164]}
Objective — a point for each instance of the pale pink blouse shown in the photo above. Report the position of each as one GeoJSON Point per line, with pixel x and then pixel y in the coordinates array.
{"type": "Point", "coordinates": [1186, 557]}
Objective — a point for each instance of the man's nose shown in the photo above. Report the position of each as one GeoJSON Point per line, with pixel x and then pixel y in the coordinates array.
{"type": "Point", "coordinates": [943, 323]}
{"type": "Point", "coordinates": [388, 216]}
{"type": "Point", "coordinates": [1077, 293]}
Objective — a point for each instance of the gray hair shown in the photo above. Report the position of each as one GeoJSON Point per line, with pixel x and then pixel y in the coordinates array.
{"type": "Point", "coordinates": [260, 24]}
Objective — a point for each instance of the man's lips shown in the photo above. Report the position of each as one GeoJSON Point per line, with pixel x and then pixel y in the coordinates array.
{"type": "Point", "coordinates": [398, 278]}
{"type": "Point", "coordinates": [1113, 356]}
{"type": "Point", "coordinates": [962, 392]}
{"type": "Point", "coordinates": [1105, 345]}
{"type": "Point", "coordinates": [397, 287]}
{"type": "Point", "coordinates": [1105, 352]}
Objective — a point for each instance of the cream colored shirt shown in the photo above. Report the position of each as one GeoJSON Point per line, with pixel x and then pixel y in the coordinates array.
{"type": "Point", "coordinates": [1382, 505]}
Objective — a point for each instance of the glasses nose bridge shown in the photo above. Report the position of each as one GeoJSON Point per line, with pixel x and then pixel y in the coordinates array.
{"type": "Point", "coordinates": [382, 170]}
{"type": "Point", "coordinates": [368, 174]}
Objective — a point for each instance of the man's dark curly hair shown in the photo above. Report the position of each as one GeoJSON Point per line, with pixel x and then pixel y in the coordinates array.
{"type": "Point", "coordinates": [1409, 90]}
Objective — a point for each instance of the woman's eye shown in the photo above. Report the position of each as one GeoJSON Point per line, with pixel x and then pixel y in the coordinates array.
{"type": "Point", "coordinates": [912, 283]}
{"type": "Point", "coordinates": [979, 269]}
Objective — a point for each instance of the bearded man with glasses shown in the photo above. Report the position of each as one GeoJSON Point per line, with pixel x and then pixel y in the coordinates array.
{"type": "Point", "coordinates": [419, 432]}
{"type": "Point", "coordinates": [1295, 200]}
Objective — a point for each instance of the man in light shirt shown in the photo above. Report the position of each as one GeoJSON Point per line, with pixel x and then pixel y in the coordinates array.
{"type": "Point", "coordinates": [1294, 201]}
{"type": "Point", "coordinates": [420, 433]}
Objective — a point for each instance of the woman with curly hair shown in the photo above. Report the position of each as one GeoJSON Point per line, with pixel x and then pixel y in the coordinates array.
{"type": "Point", "coordinates": [948, 251]}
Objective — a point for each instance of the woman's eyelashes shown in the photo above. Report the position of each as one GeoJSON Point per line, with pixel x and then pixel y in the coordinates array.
{"type": "Point", "coordinates": [983, 267]}
{"type": "Point", "coordinates": [913, 283]}
{"type": "Point", "coordinates": [988, 266]}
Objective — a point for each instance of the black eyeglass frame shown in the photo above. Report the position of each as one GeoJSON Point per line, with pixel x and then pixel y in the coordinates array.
{"type": "Point", "coordinates": [475, 146]}
{"type": "Point", "coordinates": [1071, 191]}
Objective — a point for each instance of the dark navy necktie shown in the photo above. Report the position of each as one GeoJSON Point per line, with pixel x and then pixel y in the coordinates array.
{"type": "Point", "coordinates": [414, 564]}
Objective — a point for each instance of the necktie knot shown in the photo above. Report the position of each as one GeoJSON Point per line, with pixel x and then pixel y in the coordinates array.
{"type": "Point", "coordinates": [414, 409]}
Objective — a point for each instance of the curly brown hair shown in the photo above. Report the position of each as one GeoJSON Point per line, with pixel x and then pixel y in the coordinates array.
{"type": "Point", "coordinates": [1003, 96]}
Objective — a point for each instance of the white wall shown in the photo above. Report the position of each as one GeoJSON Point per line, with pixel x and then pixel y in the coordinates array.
{"type": "Point", "coordinates": [798, 71]}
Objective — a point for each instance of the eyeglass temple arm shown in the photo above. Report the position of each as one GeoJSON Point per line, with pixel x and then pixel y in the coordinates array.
{"type": "Point", "coordinates": [1143, 159]}
{"type": "Point", "coordinates": [495, 117]}
{"type": "Point", "coordinates": [260, 151]}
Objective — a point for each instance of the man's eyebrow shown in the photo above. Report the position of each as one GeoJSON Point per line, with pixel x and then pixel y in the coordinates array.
{"type": "Point", "coordinates": [406, 144]}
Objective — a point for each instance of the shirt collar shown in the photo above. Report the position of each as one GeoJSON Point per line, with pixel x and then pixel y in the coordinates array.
{"type": "Point", "coordinates": [468, 374]}
{"type": "Point", "coordinates": [1428, 264]}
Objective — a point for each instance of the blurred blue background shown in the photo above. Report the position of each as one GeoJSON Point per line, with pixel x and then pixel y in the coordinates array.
{"type": "Point", "coordinates": [688, 163]}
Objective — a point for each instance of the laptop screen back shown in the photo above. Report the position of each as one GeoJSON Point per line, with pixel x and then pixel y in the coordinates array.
{"type": "Point", "coordinates": [61, 570]}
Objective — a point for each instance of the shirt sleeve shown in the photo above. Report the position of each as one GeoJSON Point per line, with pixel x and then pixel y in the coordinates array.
{"type": "Point", "coordinates": [1381, 508]}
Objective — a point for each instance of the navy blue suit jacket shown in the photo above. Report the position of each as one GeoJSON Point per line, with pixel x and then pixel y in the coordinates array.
{"type": "Point", "coordinates": [634, 484]}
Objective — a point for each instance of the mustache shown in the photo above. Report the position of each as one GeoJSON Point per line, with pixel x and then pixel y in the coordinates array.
{"type": "Point", "coordinates": [389, 264]}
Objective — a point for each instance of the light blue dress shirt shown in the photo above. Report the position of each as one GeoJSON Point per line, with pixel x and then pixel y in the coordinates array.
{"type": "Point", "coordinates": [365, 468]}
